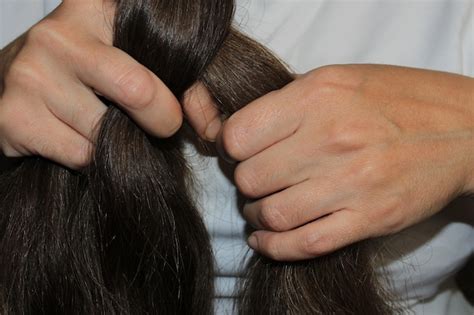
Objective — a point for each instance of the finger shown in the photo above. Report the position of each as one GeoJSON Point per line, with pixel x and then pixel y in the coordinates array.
{"type": "Point", "coordinates": [79, 108]}
{"type": "Point", "coordinates": [294, 206]}
{"type": "Point", "coordinates": [315, 239]}
{"type": "Point", "coordinates": [201, 112]}
{"type": "Point", "coordinates": [8, 150]}
{"type": "Point", "coordinates": [272, 170]}
{"type": "Point", "coordinates": [141, 94]}
{"type": "Point", "coordinates": [259, 125]}
{"type": "Point", "coordinates": [63, 145]}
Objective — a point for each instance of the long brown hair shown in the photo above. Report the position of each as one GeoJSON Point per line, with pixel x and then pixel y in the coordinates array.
{"type": "Point", "coordinates": [123, 236]}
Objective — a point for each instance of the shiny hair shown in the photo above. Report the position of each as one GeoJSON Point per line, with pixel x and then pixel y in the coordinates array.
{"type": "Point", "coordinates": [123, 236]}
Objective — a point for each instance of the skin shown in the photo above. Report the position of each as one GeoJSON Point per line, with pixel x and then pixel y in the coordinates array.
{"type": "Point", "coordinates": [47, 102]}
{"type": "Point", "coordinates": [342, 154]}
{"type": "Point", "coordinates": [346, 153]}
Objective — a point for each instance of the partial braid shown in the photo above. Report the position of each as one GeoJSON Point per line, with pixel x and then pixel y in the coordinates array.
{"type": "Point", "coordinates": [123, 236]}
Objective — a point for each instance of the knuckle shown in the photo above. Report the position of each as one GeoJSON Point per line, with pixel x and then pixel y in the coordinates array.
{"type": "Point", "coordinates": [388, 225]}
{"type": "Point", "coordinates": [272, 248]}
{"type": "Point", "coordinates": [78, 113]}
{"type": "Point", "coordinates": [363, 173]}
{"type": "Point", "coordinates": [12, 116]}
{"type": "Point", "coordinates": [372, 173]}
{"type": "Point", "coordinates": [41, 146]}
{"type": "Point", "coordinates": [391, 217]}
{"type": "Point", "coordinates": [246, 181]}
{"type": "Point", "coordinates": [343, 138]}
{"type": "Point", "coordinates": [231, 141]}
{"type": "Point", "coordinates": [395, 224]}
{"type": "Point", "coordinates": [78, 158]}
{"type": "Point", "coordinates": [321, 83]}
{"type": "Point", "coordinates": [315, 245]}
{"type": "Point", "coordinates": [196, 99]}
{"type": "Point", "coordinates": [173, 123]}
{"type": "Point", "coordinates": [325, 85]}
{"type": "Point", "coordinates": [6, 118]}
{"type": "Point", "coordinates": [26, 74]}
{"type": "Point", "coordinates": [271, 217]}
{"type": "Point", "coordinates": [368, 171]}
{"type": "Point", "coordinates": [84, 118]}
{"type": "Point", "coordinates": [337, 141]}
{"type": "Point", "coordinates": [19, 140]}
{"type": "Point", "coordinates": [192, 105]}
{"type": "Point", "coordinates": [136, 88]}
{"type": "Point", "coordinates": [9, 151]}
{"type": "Point", "coordinates": [47, 34]}
{"type": "Point", "coordinates": [95, 123]}
{"type": "Point", "coordinates": [329, 73]}
{"type": "Point", "coordinates": [334, 75]}
{"type": "Point", "coordinates": [77, 155]}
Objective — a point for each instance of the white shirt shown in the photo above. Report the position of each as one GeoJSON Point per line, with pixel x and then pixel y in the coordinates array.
{"type": "Point", "coordinates": [432, 34]}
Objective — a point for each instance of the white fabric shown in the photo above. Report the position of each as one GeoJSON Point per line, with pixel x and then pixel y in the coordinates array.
{"type": "Point", "coordinates": [16, 16]}
{"type": "Point", "coordinates": [433, 34]}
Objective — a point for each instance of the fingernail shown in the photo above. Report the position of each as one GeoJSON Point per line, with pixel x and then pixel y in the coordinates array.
{"type": "Point", "coordinates": [253, 242]}
{"type": "Point", "coordinates": [213, 129]}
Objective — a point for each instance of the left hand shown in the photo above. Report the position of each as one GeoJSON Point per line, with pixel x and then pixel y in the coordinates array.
{"type": "Point", "coordinates": [346, 153]}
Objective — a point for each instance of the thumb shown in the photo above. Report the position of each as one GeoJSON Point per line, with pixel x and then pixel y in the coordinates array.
{"type": "Point", "coordinates": [201, 112]}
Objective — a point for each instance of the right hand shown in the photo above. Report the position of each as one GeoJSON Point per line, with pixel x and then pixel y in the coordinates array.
{"type": "Point", "coordinates": [49, 78]}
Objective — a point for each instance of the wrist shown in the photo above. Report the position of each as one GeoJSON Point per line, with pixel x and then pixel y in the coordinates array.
{"type": "Point", "coordinates": [469, 187]}
{"type": "Point", "coordinates": [457, 95]}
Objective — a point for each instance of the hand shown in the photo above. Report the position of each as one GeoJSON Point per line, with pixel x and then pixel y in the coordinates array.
{"type": "Point", "coordinates": [346, 153]}
{"type": "Point", "coordinates": [49, 77]}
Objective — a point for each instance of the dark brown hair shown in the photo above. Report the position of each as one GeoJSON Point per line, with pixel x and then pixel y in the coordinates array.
{"type": "Point", "coordinates": [123, 236]}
